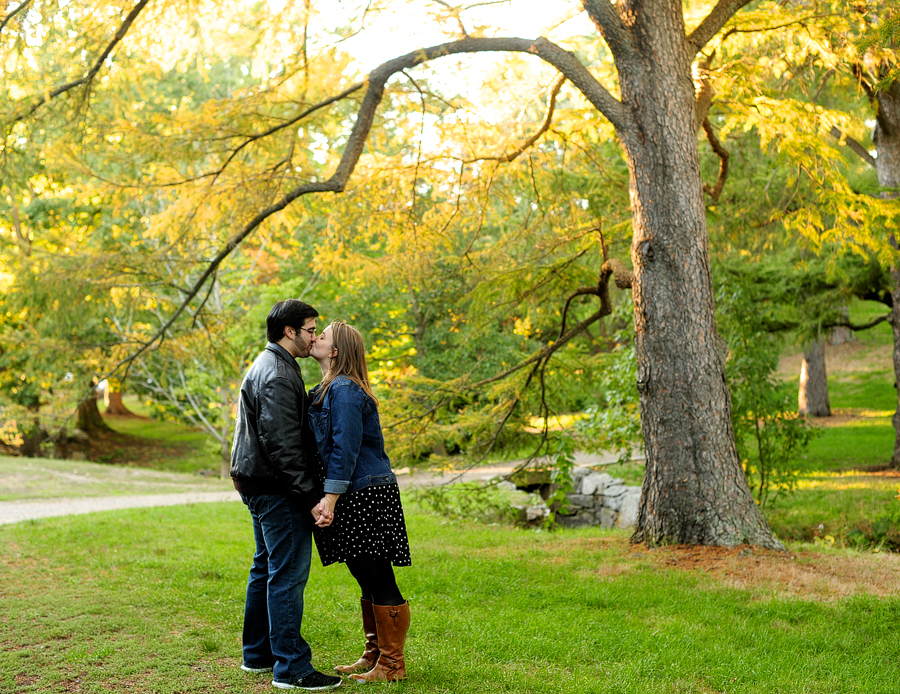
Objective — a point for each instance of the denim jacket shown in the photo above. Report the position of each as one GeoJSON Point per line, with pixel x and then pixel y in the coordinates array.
{"type": "Point", "coordinates": [348, 434]}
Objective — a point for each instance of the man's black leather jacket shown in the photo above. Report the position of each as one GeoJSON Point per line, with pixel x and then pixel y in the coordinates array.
{"type": "Point", "coordinates": [274, 450]}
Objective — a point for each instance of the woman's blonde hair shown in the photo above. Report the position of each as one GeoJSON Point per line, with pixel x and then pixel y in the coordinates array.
{"type": "Point", "coordinates": [350, 360]}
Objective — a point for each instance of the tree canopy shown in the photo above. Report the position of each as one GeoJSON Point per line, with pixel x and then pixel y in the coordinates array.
{"type": "Point", "coordinates": [170, 171]}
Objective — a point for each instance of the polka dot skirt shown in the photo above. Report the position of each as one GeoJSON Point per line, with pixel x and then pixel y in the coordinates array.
{"type": "Point", "coordinates": [367, 523]}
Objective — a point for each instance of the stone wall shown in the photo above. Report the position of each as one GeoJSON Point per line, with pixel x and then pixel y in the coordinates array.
{"type": "Point", "coordinates": [600, 499]}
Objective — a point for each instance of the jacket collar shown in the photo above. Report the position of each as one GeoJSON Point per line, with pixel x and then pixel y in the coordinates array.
{"type": "Point", "coordinates": [283, 353]}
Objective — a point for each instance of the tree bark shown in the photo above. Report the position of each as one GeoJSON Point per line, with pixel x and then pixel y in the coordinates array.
{"type": "Point", "coordinates": [31, 441]}
{"type": "Point", "coordinates": [813, 396]}
{"type": "Point", "coordinates": [694, 490]}
{"type": "Point", "coordinates": [842, 334]}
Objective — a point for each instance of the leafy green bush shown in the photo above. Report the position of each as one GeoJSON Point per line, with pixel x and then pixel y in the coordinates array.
{"type": "Point", "coordinates": [476, 501]}
{"type": "Point", "coordinates": [882, 533]}
{"type": "Point", "coordinates": [770, 437]}
{"type": "Point", "coordinates": [616, 424]}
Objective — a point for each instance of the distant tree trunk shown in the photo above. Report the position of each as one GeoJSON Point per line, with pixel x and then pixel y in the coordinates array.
{"type": "Point", "coordinates": [31, 441]}
{"type": "Point", "coordinates": [116, 406]}
{"type": "Point", "coordinates": [225, 456]}
{"type": "Point", "coordinates": [88, 417]}
{"type": "Point", "coordinates": [813, 397]}
{"type": "Point", "coordinates": [886, 137]}
{"type": "Point", "coordinates": [841, 334]}
{"type": "Point", "coordinates": [895, 324]}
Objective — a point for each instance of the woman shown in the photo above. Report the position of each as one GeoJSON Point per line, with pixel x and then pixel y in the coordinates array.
{"type": "Point", "coordinates": [361, 522]}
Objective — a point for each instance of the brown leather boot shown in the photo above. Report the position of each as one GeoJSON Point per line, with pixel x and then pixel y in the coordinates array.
{"type": "Point", "coordinates": [370, 655]}
{"type": "Point", "coordinates": [392, 623]}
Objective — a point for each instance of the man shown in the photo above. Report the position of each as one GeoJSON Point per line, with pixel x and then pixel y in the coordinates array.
{"type": "Point", "coordinates": [273, 469]}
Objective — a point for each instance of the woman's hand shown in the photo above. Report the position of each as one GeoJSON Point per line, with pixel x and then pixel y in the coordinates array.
{"type": "Point", "coordinates": [325, 510]}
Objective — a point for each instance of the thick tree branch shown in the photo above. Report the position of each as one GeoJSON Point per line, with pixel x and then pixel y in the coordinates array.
{"type": "Point", "coordinates": [608, 20]}
{"type": "Point", "coordinates": [713, 23]}
{"type": "Point", "coordinates": [862, 326]}
{"type": "Point", "coordinates": [119, 35]}
{"type": "Point", "coordinates": [854, 145]}
{"type": "Point", "coordinates": [563, 60]}
{"type": "Point", "coordinates": [7, 18]}
{"type": "Point", "coordinates": [704, 90]}
{"type": "Point", "coordinates": [545, 125]}
{"type": "Point", "coordinates": [715, 191]}
{"type": "Point", "coordinates": [610, 268]}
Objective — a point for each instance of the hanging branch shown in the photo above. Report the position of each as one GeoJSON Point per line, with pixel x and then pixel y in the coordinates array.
{"type": "Point", "coordinates": [713, 23]}
{"type": "Point", "coordinates": [623, 279]}
{"type": "Point", "coordinates": [499, 428]}
{"type": "Point", "coordinates": [249, 139]}
{"type": "Point", "coordinates": [545, 125]}
{"type": "Point", "coordinates": [715, 191]}
{"type": "Point", "coordinates": [864, 326]}
{"type": "Point", "coordinates": [89, 76]}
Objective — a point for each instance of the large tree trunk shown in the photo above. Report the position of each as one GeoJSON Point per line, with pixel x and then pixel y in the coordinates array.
{"type": "Point", "coordinates": [813, 396]}
{"type": "Point", "coordinates": [88, 417]}
{"type": "Point", "coordinates": [887, 164]}
{"type": "Point", "coordinates": [694, 490]}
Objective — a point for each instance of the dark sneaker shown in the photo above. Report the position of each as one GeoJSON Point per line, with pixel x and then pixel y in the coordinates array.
{"type": "Point", "coordinates": [255, 668]}
{"type": "Point", "coordinates": [314, 682]}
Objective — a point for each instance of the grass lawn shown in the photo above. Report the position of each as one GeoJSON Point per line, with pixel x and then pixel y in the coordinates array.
{"type": "Point", "coordinates": [150, 601]}
{"type": "Point", "coordinates": [851, 444]}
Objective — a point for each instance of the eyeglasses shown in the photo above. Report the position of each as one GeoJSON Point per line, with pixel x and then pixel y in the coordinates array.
{"type": "Point", "coordinates": [311, 331]}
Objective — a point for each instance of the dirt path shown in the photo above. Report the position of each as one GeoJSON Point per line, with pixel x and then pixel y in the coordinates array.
{"type": "Point", "coordinates": [18, 511]}
{"type": "Point", "coordinates": [33, 509]}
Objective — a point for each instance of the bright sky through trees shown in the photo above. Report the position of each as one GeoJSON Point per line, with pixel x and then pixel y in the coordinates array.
{"type": "Point", "coordinates": [400, 28]}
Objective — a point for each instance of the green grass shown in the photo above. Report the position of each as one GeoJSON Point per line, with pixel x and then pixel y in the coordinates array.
{"type": "Point", "coordinates": [835, 493]}
{"type": "Point", "coordinates": [181, 449]}
{"type": "Point", "coordinates": [866, 311]}
{"type": "Point", "coordinates": [43, 478]}
{"type": "Point", "coordinates": [869, 390]}
{"type": "Point", "coordinates": [855, 445]}
{"type": "Point", "coordinates": [151, 601]}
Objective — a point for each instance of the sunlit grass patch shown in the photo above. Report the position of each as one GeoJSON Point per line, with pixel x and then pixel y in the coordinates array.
{"type": "Point", "coordinates": [854, 444]}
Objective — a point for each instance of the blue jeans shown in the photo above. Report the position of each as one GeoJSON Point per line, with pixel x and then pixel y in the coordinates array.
{"type": "Point", "coordinates": [274, 608]}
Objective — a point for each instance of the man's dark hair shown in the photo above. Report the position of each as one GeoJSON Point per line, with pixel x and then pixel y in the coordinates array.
{"type": "Point", "coordinates": [290, 312]}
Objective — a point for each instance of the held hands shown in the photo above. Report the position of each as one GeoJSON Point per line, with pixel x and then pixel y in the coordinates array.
{"type": "Point", "coordinates": [324, 512]}
{"type": "Point", "coordinates": [319, 519]}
